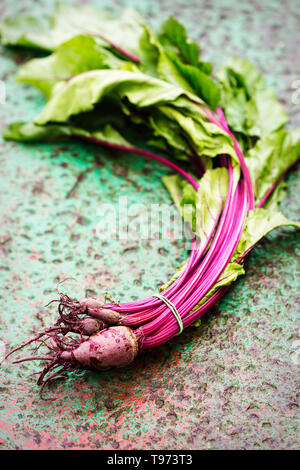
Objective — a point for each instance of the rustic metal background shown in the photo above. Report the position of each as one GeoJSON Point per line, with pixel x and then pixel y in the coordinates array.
{"type": "Point", "coordinates": [231, 383]}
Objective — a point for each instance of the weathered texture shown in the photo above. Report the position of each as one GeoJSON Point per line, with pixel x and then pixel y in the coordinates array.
{"type": "Point", "coordinates": [231, 383]}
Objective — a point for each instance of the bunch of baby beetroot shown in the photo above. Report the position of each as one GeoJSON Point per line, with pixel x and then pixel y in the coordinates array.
{"type": "Point", "coordinates": [111, 80]}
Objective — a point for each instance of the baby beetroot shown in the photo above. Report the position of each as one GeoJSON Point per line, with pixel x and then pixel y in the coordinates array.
{"type": "Point", "coordinates": [81, 339]}
{"type": "Point", "coordinates": [112, 347]}
{"type": "Point", "coordinates": [107, 315]}
{"type": "Point", "coordinates": [93, 334]}
{"type": "Point", "coordinates": [116, 346]}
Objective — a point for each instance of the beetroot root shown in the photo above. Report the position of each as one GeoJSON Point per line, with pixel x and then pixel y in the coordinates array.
{"type": "Point", "coordinates": [116, 346]}
{"type": "Point", "coordinates": [86, 335]}
{"type": "Point", "coordinates": [107, 315]}
{"type": "Point", "coordinates": [92, 307]}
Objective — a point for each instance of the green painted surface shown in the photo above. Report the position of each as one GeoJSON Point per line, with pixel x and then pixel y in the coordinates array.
{"type": "Point", "coordinates": [232, 383]}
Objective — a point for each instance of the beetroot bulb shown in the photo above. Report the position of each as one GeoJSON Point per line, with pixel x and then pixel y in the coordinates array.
{"type": "Point", "coordinates": [116, 346]}
{"type": "Point", "coordinates": [91, 334]}
{"type": "Point", "coordinates": [81, 338]}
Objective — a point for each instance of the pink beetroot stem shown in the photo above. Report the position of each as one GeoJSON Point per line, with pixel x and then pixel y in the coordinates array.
{"type": "Point", "coordinates": [154, 321]}
{"type": "Point", "coordinates": [147, 154]}
{"type": "Point", "coordinates": [158, 324]}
